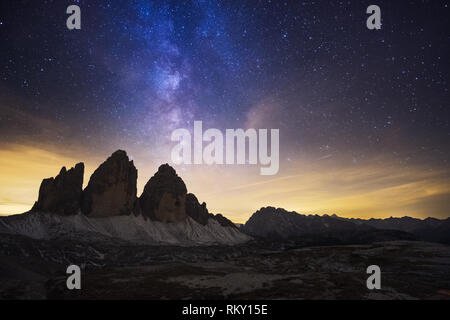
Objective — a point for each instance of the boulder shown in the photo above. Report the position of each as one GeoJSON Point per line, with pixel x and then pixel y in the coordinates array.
{"type": "Point", "coordinates": [111, 191]}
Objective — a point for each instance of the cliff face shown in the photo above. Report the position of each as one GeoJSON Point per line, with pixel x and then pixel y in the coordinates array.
{"type": "Point", "coordinates": [112, 188]}
{"type": "Point", "coordinates": [61, 195]}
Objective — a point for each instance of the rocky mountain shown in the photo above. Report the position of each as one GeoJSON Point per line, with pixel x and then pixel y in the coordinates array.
{"type": "Point", "coordinates": [277, 223]}
{"type": "Point", "coordinates": [61, 195]}
{"type": "Point", "coordinates": [273, 222]}
{"type": "Point", "coordinates": [407, 224]}
{"type": "Point", "coordinates": [164, 196]}
{"type": "Point", "coordinates": [109, 208]}
{"type": "Point", "coordinates": [199, 213]}
{"type": "Point", "coordinates": [111, 191]}
{"type": "Point", "coordinates": [429, 229]}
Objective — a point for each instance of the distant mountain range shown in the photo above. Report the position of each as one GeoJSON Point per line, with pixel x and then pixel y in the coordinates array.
{"type": "Point", "coordinates": [277, 223]}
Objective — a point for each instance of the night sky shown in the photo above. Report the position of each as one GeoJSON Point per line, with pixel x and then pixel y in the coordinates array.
{"type": "Point", "coordinates": [363, 114]}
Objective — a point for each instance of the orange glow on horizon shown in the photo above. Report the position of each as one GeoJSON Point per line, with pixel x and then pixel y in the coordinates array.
{"type": "Point", "coordinates": [363, 191]}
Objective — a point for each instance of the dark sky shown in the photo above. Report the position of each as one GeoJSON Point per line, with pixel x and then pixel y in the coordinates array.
{"type": "Point", "coordinates": [341, 94]}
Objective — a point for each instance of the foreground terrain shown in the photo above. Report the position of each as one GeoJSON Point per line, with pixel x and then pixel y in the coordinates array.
{"type": "Point", "coordinates": [35, 269]}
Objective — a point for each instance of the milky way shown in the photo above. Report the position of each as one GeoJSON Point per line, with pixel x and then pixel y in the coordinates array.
{"type": "Point", "coordinates": [370, 104]}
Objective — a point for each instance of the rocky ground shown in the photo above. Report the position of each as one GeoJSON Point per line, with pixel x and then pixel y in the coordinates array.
{"type": "Point", "coordinates": [258, 270]}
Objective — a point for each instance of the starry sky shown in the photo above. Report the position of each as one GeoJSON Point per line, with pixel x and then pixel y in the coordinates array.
{"type": "Point", "coordinates": [363, 114]}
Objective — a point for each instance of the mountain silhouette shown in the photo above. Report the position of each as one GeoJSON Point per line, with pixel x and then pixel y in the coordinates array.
{"type": "Point", "coordinates": [277, 223]}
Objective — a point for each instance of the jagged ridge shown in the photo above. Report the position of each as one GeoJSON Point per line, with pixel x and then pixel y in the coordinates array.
{"type": "Point", "coordinates": [109, 207]}
{"type": "Point", "coordinates": [277, 223]}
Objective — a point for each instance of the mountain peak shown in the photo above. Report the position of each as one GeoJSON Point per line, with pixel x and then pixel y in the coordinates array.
{"type": "Point", "coordinates": [111, 191]}
{"type": "Point", "coordinates": [119, 154]}
{"type": "Point", "coordinates": [166, 169]}
{"type": "Point", "coordinates": [61, 194]}
{"type": "Point", "coordinates": [164, 196]}
{"type": "Point", "coordinates": [112, 187]}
